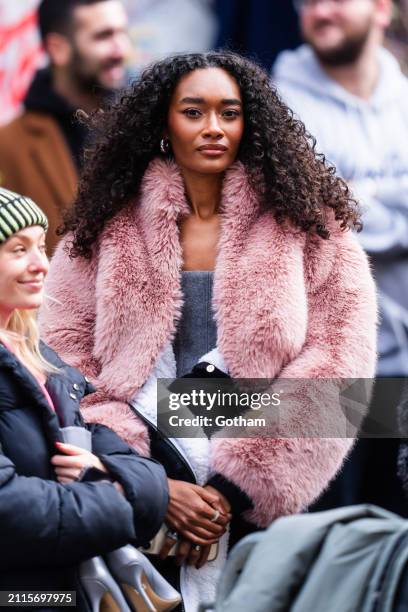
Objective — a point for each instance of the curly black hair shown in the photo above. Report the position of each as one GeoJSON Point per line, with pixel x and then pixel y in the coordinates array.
{"type": "Point", "coordinates": [291, 178]}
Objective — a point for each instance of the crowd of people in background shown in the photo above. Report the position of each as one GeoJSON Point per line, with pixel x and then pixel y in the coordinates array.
{"type": "Point", "coordinates": [206, 215]}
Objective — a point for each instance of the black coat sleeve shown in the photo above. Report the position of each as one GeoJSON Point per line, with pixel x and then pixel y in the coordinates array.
{"type": "Point", "coordinates": [239, 500]}
{"type": "Point", "coordinates": [144, 480]}
{"type": "Point", "coordinates": [44, 523]}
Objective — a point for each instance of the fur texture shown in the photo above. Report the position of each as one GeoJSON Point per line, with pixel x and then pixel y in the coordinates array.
{"type": "Point", "coordinates": [287, 305]}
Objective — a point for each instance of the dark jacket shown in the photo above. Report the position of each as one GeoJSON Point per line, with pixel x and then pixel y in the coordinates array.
{"type": "Point", "coordinates": [47, 528]}
{"type": "Point", "coordinates": [259, 29]}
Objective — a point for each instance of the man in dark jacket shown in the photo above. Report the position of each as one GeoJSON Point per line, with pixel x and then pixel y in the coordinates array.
{"type": "Point", "coordinates": [40, 151]}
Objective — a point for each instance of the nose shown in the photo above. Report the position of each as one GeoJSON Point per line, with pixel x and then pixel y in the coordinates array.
{"type": "Point", "coordinates": [120, 46]}
{"type": "Point", "coordinates": [213, 128]}
{"type": "Point", "coordinates": [322, 9]}
{"type": "Point", "coordinates": [38, 263]}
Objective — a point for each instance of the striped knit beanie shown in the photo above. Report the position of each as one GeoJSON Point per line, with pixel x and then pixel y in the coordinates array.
{"type": "Point", "coordinates": [18, 212]}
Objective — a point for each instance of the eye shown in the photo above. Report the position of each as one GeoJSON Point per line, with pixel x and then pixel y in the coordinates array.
{"type": "Point", "coordinates": [194, 113]}
{"type": "Point", "coordinates": [19, 249]}
{"type": "Point", "coordinates": [231, 113]}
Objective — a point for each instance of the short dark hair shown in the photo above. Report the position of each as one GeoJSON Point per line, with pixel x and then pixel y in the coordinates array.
{"type": "Point", "coordinates": [57, 15]}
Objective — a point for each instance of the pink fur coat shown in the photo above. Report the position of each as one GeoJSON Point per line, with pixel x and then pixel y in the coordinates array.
{"type": "Point", "coordinates": [287, 305]}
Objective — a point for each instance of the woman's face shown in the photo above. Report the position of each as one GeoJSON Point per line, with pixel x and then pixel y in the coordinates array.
{"type": "Point", "coordinates": [23, 267]}
{"type": "Point", "coordinates": [205, 121]}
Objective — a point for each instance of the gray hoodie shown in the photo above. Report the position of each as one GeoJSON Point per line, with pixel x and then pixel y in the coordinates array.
{"type": "Point", "coordinates": [367, 141]}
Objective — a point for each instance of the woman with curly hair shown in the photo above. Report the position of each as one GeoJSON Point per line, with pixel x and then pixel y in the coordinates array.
{"type": "Point", "coordinates": [207, 230]}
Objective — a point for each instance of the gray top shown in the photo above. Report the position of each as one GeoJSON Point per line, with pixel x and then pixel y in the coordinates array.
{"type": "Point", "coordinates": [197, 330]}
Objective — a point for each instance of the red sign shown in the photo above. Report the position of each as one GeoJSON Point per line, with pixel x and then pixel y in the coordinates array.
{"type": "Point", "coordinates": [20, 56]}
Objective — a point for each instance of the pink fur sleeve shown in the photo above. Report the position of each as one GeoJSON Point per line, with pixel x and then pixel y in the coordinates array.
{"type": "Point", "coordinates": [67, 324]}
{"type": "Point", "coordinates": [284, 475]}
{"type": "Point", "coordinates": [67, 318]}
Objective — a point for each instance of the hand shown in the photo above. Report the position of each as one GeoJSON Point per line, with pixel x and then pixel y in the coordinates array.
{"type": "Point", "coordinates": [195, 557]}
{"type": "Point", "coordinates": [188, 553]}
{"type": "Point", "coordinates": [190, 511]}
{"type": "Point", "coordinates": [69, 465]}
{"type": "Point", "coordinates": [224, 506]}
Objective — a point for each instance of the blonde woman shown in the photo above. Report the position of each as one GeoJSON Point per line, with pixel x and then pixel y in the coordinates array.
{"type": "Point", "coordinates": [50, 521]}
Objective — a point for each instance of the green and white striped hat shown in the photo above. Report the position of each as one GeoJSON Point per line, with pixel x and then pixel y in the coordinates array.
{"type": "Point", "coordinates": [18, 212]}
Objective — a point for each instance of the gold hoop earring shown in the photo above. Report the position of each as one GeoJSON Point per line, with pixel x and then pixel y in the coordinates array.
{"type": "Point", "coordinates": [165, 146]}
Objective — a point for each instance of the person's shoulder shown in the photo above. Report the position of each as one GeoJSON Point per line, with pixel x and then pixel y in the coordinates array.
{"type": "Point", "coordinates": [393, 83]}
{"type": "Point", "coordinates": [73, 377]}
{"type": "Point", "coordinates": [404, 86]}
{"type": "Point", "coordinates": [64, 262]}
{"type": "Point", "coordinates": [13, 123]}
{"type": "Point", "coordinates": [10, 133]}
{"type": "Point", "coordinates": [324, 257]}
{"type": "Point", "coordinates": [302, 85]}
{"type": "Point", "coordinates": [50, 355]}
{"type": "Point", "coordinates": [27, 121]}
{"type": "Point", "coordinates": [290, 59]}
{"type": "Point", "coordinates": [21, 132]}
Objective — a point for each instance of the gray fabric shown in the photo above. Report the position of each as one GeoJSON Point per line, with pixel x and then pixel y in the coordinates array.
{"type": "Point", "coordinates": [328, 560]}
{"type": "Point", "coordinates": [197, 330]}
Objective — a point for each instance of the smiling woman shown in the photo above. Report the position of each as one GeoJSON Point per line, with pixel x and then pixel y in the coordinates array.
{"type": "Point", "coordinates": [50, 520]}
{"type": "Point", "coordinates": [23, 266]}
{"type": "Point", "coordinates": [208, 231]}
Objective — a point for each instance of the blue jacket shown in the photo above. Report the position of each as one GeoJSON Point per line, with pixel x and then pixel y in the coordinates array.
{"type": "Point", "coordinates": [47, 528]}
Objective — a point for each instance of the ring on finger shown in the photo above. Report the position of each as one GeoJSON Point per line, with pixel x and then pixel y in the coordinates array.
{"type": "Point", "coordinates": [172, 535]}
{"type": "Point", "coordinates": [82, 473]}
{"type": "Point", "coordinates": [197, 547]}
{"type": "Point", "coordinates": [216, 516]}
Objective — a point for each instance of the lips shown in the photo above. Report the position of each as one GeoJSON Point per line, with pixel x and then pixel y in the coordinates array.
{"type": "Point", "coordinates": [213, 147]}
{"type": "Point", "coordinates": [33, 285]}
{"type": "Point", "coordinates": [212, 150]}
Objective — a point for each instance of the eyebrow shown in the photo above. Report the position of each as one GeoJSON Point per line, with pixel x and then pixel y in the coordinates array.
{"type": "Point", "coordinates": [226, 101]}
{"type": "Point", "coordinates": [18, 237]}
{"type": "Point", "coordinates": [104, 33]}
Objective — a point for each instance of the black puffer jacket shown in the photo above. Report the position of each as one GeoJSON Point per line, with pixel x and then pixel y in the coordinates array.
{"type": "Point", "coordinates": [47, 528]}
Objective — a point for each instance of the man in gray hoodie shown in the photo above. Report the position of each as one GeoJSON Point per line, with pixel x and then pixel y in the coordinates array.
{"type": "Point", "coordinates": [353, 98]}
